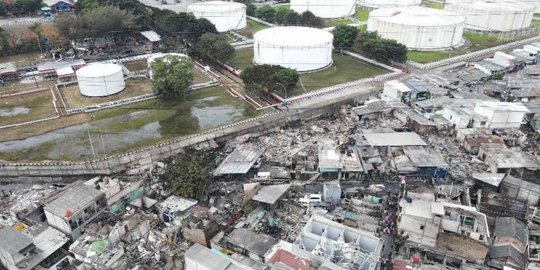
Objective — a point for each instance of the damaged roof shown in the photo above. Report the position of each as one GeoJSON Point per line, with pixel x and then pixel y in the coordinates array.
{"type": "Point", "coordinates": [512, 227]}
{"type": "Point", "coordinates": [240, 160]}
{"type": "Point", "coordinates": [75, 199]}
{"type": "Point", "coordinates": [271, 194]}
{"type": "Point", "coordinates": [208, 259]}
{"type": "Point", "coordinates": [493, 179]}
{"type": "Point", "coordinates": [255, 243]}
{"type": "Point", "coordinates": [13, 241]}
{"type": "Point", "coordinates": [394, 139]}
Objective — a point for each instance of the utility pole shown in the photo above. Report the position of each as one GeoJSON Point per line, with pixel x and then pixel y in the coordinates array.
{"type": "Point", "coordinates": [90, 140]}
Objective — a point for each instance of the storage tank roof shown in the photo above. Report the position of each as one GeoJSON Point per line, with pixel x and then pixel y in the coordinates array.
{"type": "Point", "coordinates": [99, 70]}
{"type": "Point", "coordinates": [493, 5]}
{"type": "Point", "coordinates": [215, 6]}
{"type": "Point", "coordinates": [293, 36]}
{"type": "Point", "coordinates": [420, 16]}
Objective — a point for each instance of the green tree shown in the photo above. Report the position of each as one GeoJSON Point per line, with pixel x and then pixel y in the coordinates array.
{"type": "Point", "coordinates": [266, 13]}
{"type": "Point", "coordinates": [107, 20]}
{"type": "Point", "coordinates": [172, 76]}
{"type": "Point", "coordinates": [307, 18]}
{"type": "Point", "coordinates": [214, 47]}
{"type": "Point", "coordinates": [86, 5]}
{"type": "Point", "coordinates": [264, 78]}
{"type": "Point", "coordinates": [36, 28]}
{"type": "Point", "coordinates": [70, 26]}
{"type": "Point", "coordinates": [380, 49]}
{"type": "Point", "coordinates": [281, 15]}
{"type": "Point", "coordinates": [27, 6]}
{"type": "Point", "coordinates": [498, 76]}
{"type": "Point", "coordinates": [344, 36]}
{"type": "Point", "coordinates": [189, 173]}
{"type": "Point", "coordinates": [292, 18]}
{"type": "Point", "coordinates": [283, 77]}
{"type": "Point", "coordinates": [198, 28]}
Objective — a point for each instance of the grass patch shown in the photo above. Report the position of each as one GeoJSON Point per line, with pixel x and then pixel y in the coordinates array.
{"type": "Point", "coordinates": [134, 87]}
{"type": "Point", "coordinates": [432, 4]}
{"type": "Point", "coordinates": [362, 14]}
{"type": "Point", "coordinates": [536, 22]}
{"type": "Point", "coordinates": [136, 65]}
{"type": "Point", "coordinates": [199, 77]}
{"type": "Point", "coordinates": [282, 7]}
{"type": "Point", "coordinates": [336, 22]}
{"type": "Point", "coordinates": [26, 108]}
{"type": "Point", "coordinates": [242, 59]}
{"type": "Point", "coordinates": [362, 27]}
{"type": "Point", "coordinates": [344, 69]}
{"type": "Point", "coordinates": [479, 41]}
{"type": "Point", "coordinates": [251, 28]}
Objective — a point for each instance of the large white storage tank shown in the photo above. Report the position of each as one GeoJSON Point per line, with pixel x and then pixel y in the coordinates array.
{"type": "Point", "coordinates": [418, 28]}
{"type": "Point", "coordinates": [300, 48]}
{"type": "Point", "coordinates": [226, 16]}
{"type": "Point", "coordinates": [100, 80]}
{"type": "Point", "coordinates": [535, 3]}
{"type": "Point", "coordinates": [389, 3]}
{"type": "Point", "coordinates": [325, 8]}
{"type": "Point", "coordinates": [493, 15]}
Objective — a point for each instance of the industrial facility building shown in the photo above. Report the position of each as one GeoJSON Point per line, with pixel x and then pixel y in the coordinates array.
{"type": "Point", "coordinates": [300, 48]}
{"type": "Point", "coordinates": [389, 3]}
{"type": "Point", "coordinates": [498, 15]}
{"type": "Point", "coordinates": [418, 28]}
{"type": "Point", "coordinates": [226, 16]}
{"type": "Point", "coordinates": [325, 8]}
{"type": "Point", "coordinates": [100, 80]}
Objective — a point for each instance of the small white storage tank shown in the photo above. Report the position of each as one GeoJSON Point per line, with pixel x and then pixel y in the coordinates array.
{"type": "Point", "coordinates": [325, 8]}
{"type": "Point", "coordinates": [493, 15]}
{"type": "Point", "coordinates": [226, 16]}
{"type": "Point", "coordinates": [100, 80]}
{"type": "Point", "coordinates": [300, 48]}
{"type": "Point", "coordinates": [418, 28]}
{"type": "Point", "coordinates": [389, 3]}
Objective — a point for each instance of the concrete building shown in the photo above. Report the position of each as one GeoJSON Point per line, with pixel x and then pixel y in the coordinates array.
{"type": "Point", "coordinates": [501, 114]}
{"type": "Point", "coordinates": [510, 246]}
{"type": "Point", "coordinates": [250, 244]}
{"type": "Point", "coordinates": [198, 257]}
{"type": "Point", "coordinates": [520, 189]}
{"type": "Point", "coordinates": [339, 246]}
{"type": "Point", "coordinates": [20, 250]}
{"type": "Point", "coordinates": [74, 209]}
{"type": "Point", "coordinates": [175, 208]}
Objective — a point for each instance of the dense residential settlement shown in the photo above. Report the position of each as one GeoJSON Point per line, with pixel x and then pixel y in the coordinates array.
{"type": "Point", "coordinates": [251, 135]}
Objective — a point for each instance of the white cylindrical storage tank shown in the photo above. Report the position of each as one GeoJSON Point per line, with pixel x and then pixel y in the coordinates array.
{"type": "Point", "coordinates": [535, 3]}
{"type": "Point", "coordinates": [226, 16]}
{"type": "Point", "coordinates": [389, 3]}
{"type": "Point", "coordinates": [325, 8]}
{"type": "Point", "coordinates": [418, 28]}
{"type": "Point", "coordinates": [493, 15]}
{"type": "Point", "coordinates": [151, 60]}
{"type": "Point", "coordinates": [300, 48]}
{"type": "Point", "coordinates": [100, 80]}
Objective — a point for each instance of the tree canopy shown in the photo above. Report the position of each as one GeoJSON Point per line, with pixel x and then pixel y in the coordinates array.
{"type": "Point", "coordinates": [264, 78]}
{"type": "Point", "coordinates": [96, 22]}
{"type": "Point", "coordinates": [344, 36]}
{"type": "Point", "coordinates": [172, 76]}
{"type": "Point", "coordinates": [214, 47]}
{"type": "Point", "coordinates": [380, 49]}
{"type": "Point", "coordinates": [189, 173]}
{"type": "Point", "coordinates": [288, 17]}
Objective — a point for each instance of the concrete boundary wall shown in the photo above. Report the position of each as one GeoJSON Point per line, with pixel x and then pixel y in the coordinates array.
{"type": "Point", "coordinates": [135, 159]}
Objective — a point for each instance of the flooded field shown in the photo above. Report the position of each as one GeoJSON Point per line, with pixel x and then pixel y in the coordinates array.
{"type": "Point", "coordinates": [131, 126]}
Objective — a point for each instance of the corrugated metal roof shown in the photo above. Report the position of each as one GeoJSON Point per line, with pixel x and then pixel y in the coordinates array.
{"type": "Point", "coordinates": [240, 160]}
{"type": "Point", "coordinates": [151, 35]}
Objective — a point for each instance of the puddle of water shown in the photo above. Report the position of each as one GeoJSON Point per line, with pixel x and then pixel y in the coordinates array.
{"type": "Point", "coordinates": [106, 137]}
{"type": "Point", "coordinates": [216, 116]}
{"type": "Point", "coordinates": [14, 111]}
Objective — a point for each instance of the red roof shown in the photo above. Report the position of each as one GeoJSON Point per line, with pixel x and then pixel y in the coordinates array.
{"type": "Point", "coordinates": [291, 260]}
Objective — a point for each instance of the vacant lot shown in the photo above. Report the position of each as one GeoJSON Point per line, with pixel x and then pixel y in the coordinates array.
{"type": "Point", "coordinates": [134, 87]}
{"type": "Point", "coordinates": [26, 108]}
